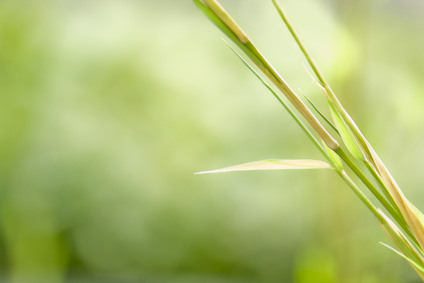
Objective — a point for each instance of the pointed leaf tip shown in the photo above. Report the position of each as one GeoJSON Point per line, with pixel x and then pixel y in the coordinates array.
{"type": "Point", "coordinates": [415, 264]}
{"type": "Point", "coordinates": [273, 164]}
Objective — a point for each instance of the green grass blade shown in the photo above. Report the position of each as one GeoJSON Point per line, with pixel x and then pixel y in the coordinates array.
{"type": "Point", "coordinates": [226, 30]}
{"type": "Point", "coordinates": [331, 156]}
{"type": "Point", "coordinates": [411, 261]}
{"type": "Point", "coordinates": [322, 115]}
{"type": "Point", "coordinates": [346, 134]}
{"type": "Point", "coordinates": [273, 164]}
{"type": "Point", "coordinates": [330, 93]}
{"type": "Point", "coordinates": [336, 160]}
{"type": "Point", "coordinates": [298, 40]}
{"type": "Point", "coordinates": [229, 22]}
{"type": "Point", "coordinates": [386, 204]}
{"type": "Point", "coordinates": [215, 19]}
{"type": "Point", "coordinates": [399, 239]}
{"type": "Point", "coordinates": [356, 142]}
{"type": "Point", "coordinates": [222, 18]}
{"type": "Point", "coordinates": [359, 193]}
{"type": "Point", "coordinates": [405, 214]}
{"type": "Point", "coordinates": [409, 212]}
{"type": "Point", "coordinates": [400, 218]}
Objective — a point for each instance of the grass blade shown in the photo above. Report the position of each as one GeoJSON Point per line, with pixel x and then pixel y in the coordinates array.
{"type": "Point", "coordinates": [346, 134]}
{"type": "Point", "coordinates": [228, 21]}
{"type": "Point", "coordinates": [323, 82]}
{"type": "Point", "coordinates": [273, 164]}
{"type": "Point", "coordinates": [414, 264]}
{"type": "Point", "coordinates": [407, 250]}
{"type": "Point", "coordinates": [335, 158]}
{"type": "Point", "coordinates": [225, 29]}
{"type": "Point", "coordinates": [215, 19]}
{"type": "Point", "coordinates": [407, 209]}
{"type": "Point", "coordinates": [220, 17]}
{"type": "Point", "coordinates": [282, 102]}
{"type": "Point", "coordinates": [322, 115]}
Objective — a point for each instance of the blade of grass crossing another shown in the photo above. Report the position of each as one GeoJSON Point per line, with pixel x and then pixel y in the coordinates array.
{"type": "Point", "coordinates": [409, 218]}
{"type": "Point", "coordinates": [329, 92]}
{"type": "Point", "coordinates": [258, 58]}
{"type": "Point", "coordinates": [284, 104]}
{"type": "Point", "coordinates": [352, 136]}
{"type": "Point", "coordinates": [322, 115]}
{"type": "Point", "coordinates": [346, 134]}
{"type": "Point", "coordinates": [408, 251]}
{"type": "Point", "coordinates": [399, 239]}
{"type": "Point", "coordinates": [408, 211]}
{"type": "Point", "coordinates": [337, 162]}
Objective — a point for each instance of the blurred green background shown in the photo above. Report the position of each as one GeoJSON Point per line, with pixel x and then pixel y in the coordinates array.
{"type": "Point", "coordinates": [107, 108]}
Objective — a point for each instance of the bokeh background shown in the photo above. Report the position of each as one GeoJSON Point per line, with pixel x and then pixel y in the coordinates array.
{"type": "Point", "coordinates": [107, 108]}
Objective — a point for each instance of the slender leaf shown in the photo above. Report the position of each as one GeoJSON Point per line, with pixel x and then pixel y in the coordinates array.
{"type": "Point", "coordinates": [338, 164]}
{"type": "Point", "coordinates": [407, 209]}
{"type": "Point", "coordinates": [323, 82]}
{"type": "Point", "coordinates": [419, 268]}
{"type": "Point", "coordinates": [215, 19]}
{"type": "Point", "coordinates": [322, 115]}
{"type": "Point", "coordinates": [399, 239]}
{"type": "Point", "coordinates": [226, 18]}
{"type": "Point", "coordinates": [273, 164]}
{"type": "Point", "coordinates": [325, 150]}
{"type": "Point", "coordinates": [225, 29]}
{"type": "Point", "coordinates": [346, 134]}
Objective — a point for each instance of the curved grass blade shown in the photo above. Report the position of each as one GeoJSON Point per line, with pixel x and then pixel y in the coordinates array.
{"type": "Point", "coordinates": [273, 164]}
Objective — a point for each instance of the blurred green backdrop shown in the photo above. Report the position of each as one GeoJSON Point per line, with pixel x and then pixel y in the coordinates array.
{"type": "Point", "coordinates": [107, 108]}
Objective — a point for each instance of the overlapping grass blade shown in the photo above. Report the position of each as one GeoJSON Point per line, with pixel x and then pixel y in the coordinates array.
{"type": "Point", "coordinates": [408, 211]}
{"type": "Point", "coordinates": [290, 111]}
{"type": "Point", "coordinates": [410, 219]}
{"type": "Point", "coordinates": [256, 56]}
{"type": "Point", "coordinates": [357, 143]}
{"type": "Point", "coordinates": [346, 134]}
{"type": "Point", "coordinates": [322, 115]}
{"type": "Point", "coordinates": [408, 251]}
{"type": "Point", "coordinates": [337, 162]}
{"type": "Point", "coordinates": [329, 92]}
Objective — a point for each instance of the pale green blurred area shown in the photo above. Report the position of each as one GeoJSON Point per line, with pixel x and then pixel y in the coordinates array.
{"type": "Point", "coordinates": [107, 108]}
